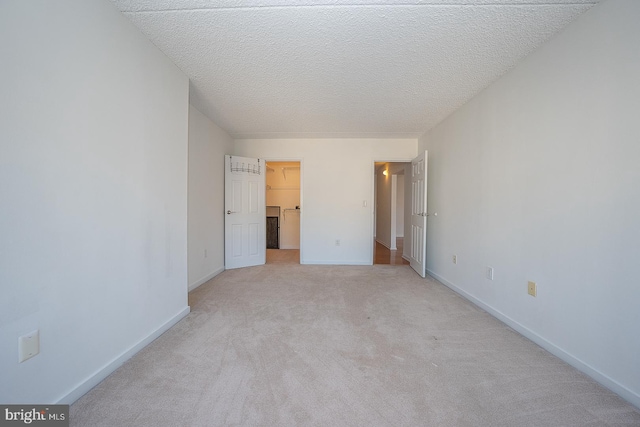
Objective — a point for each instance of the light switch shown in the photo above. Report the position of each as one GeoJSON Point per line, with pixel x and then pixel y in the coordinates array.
{"type": "Point", "coordinates": [28, 346]}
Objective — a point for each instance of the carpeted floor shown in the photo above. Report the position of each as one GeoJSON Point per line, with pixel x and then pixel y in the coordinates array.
{"type": "Point", "coordinates": [297, 345]}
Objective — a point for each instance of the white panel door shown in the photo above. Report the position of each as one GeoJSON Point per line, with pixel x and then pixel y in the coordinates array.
{"type": "Point", "coordinates": [245, 217]}
{"type": "Point", "coordinates": [418, 253]}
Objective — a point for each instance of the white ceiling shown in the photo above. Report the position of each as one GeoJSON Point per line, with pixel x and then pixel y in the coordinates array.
{"type": "Point", "coordinates": [340, 68]}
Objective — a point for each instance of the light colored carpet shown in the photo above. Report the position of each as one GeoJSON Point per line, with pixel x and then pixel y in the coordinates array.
{"type": "Point", "coordinates": [297, 345]}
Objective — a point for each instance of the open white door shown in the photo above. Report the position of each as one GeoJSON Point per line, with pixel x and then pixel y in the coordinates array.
{"type": "Point", "coordinates": [245, 216]}
{"type": "Point", "coordinates": [418, 254]}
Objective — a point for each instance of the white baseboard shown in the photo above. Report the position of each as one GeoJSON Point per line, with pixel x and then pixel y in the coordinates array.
{"type": "Point", "coordinates": [606, 381]}
{"type": "Point", "coordinates": [92, 381]}
{"type": "Point", "coordinates": [205, 279]}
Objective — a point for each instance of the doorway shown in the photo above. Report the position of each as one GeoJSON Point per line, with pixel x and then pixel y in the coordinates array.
{"type": "Point", "coordinates": [391, 217]}
{"type": "Point", "coordinates": [284, 211]}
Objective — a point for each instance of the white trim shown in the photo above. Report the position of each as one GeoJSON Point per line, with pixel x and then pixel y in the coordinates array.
{"type": "Point", "coordinates": [598, 376]}
{"type": "Point", "coordinates": [95, 379]}
{"type": "Point", "coordinates": [205, 279]}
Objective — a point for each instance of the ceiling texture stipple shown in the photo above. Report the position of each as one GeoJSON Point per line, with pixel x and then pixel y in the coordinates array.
{"type": "Point", "coordinates": [343, 68]}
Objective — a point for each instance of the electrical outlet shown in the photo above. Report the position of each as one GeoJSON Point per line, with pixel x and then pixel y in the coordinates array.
{"type": "Point", "coordinates": [532, 289]}
{"type": "Point", "coordinates": [337, 242]}
{"type": "Point", "coordinates": [454, 259]}
{"type": "Point", "coordinates": [489, 273]}
{"type": "Point", "coordinates": [28, 346]}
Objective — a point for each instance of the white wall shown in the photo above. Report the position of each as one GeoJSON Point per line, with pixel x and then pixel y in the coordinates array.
{"type": "Point", "coordinates": [400, 206]}
{"type": "Point", "coordinates": [93, 186]}
{"type": "Point", "coordinates": [385, 215]}
{"type": "Point", "coordinates": [383, 207]}
{"type": "Point", "coordinates": [284, 190]}
{"type": "Point", "coordinates": [208, 145]}
{"type": "Point", "coordinates": [336, 177]}
{"type": "Point", "coordinates": [400, 171]}
{"type": "Point", "coordinates": [539, 177]}
{"type": "Point", "coordinates": [406, 248]}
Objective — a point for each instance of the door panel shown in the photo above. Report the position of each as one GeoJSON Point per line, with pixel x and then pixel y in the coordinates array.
{"type": "Point", "coordinates": [253, 197]}
{"type": "Point", "coordinates": [254, 239]}
{"type": "Point", "coordinates": [236, 198]}
{"type": "Point", "coordinates": [245, 215]}
{"type": "Point", "coordinates": [418, 253]}
{"type": "Point", "coordinates": [237, 240]}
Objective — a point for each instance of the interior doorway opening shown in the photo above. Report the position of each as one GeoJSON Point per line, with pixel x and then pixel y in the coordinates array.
{"type": "Point", "coordinates": [392, 220]}
{"type": "Point", "coordinates": [283, 211]}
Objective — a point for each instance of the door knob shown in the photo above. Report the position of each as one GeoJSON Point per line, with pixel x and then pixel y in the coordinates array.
{"type": "Point", "coordinates": [230, 212]}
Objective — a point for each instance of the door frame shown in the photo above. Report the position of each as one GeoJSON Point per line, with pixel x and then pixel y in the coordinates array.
{"type": "Point", "coordinates": [301, 161]}
{"type": "Point", "coordinates": [372, 204]}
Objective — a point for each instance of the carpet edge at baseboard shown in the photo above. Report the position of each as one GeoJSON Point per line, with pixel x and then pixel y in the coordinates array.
{"type": "Point", "coordinates": [95, 379]}
{"type": "Point", "coordinates": [205, 279]}
{"type": "Point", "coordinates": [604, 380]}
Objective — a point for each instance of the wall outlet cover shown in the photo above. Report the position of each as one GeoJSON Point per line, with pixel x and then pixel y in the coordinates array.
{"type": "Point", "coordinates": [532, 289]}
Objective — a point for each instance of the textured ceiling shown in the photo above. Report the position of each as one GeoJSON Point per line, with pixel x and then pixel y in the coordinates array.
{"type": "Point", "coordinates": [339, 68]}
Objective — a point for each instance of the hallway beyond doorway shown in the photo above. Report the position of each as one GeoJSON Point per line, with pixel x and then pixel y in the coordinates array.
{"type": "Point", "coordinates": [383, 255]}
{"type": "Point", "coordinates": [283, 256]}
